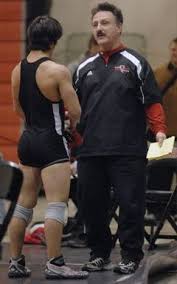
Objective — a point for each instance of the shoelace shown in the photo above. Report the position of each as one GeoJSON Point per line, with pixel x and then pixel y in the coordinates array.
{"type": "Point", "coordinates": [18, 268]}
{"type": "Point", "coordinates": [97, 261]}
{"type": "Point", "coordinates": [127, 263]}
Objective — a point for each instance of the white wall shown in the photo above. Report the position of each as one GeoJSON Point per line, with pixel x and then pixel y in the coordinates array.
{"type": "Point", "coordinates": [155, 19]}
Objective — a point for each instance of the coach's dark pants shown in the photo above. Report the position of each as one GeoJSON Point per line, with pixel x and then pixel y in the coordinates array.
{"type": "Point", "coordinates": [127, 175]}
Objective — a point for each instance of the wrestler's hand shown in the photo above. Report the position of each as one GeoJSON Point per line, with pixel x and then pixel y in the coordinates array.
{"type": "Point", "coordinates": [73, 167]}
{"type": "Point", "coordinates": [160, 137]}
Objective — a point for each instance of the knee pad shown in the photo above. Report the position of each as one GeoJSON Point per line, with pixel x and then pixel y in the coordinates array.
{"type": "Point", "coordinates": [23, 213]}
{"type": "Point", "coordinates": [57, 211]}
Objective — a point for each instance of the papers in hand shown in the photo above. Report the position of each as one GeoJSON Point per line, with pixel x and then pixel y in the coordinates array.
{"type": "Point", "coordinates": [157, 152]}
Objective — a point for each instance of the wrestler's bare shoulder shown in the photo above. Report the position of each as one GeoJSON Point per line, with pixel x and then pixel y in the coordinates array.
{"type": "Point", "coordinates": [53, 68]}
{"type": "Point", "coordinates": [15, 74]}
{"type": "Point", "coordinates": [17, 67]}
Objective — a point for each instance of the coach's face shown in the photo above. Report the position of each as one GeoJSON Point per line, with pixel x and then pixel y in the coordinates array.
{"type": "Point", "coordinates": [106, 30]}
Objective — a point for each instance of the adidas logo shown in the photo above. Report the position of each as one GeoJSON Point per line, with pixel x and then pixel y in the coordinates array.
{"type": "Point", "coordinates": [90, 73]}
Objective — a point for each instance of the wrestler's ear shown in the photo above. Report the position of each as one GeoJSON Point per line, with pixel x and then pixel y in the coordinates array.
{"type": "Point", "coordinates": [52, 45]}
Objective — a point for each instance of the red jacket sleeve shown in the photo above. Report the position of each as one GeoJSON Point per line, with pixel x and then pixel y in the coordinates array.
{"type": "Point", "coordinates": [77, 137]}
{"type": "Point", "coordinates": [156, 118]}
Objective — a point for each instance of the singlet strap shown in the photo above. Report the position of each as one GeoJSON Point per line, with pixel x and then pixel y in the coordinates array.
{"type": "Point", "coordinates": [37, 62]}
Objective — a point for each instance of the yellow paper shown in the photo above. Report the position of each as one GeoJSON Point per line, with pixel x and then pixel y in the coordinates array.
{"type": "Point", "coordinates": [157, 152]}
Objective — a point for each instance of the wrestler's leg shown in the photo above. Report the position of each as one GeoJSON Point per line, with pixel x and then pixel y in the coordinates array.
{"type": "Point", "coordinates": [23, 212]}
{"type": "Point", "coordinates": [56, 182]}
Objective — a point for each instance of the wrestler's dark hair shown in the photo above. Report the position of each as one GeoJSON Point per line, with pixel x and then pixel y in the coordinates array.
{"type": "Point", "coordinates": [43, 32]}
{"type": "Point", "coordinates": [106, 6]}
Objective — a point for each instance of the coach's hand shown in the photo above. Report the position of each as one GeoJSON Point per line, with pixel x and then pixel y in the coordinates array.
{"type": "Point", "coordinates": [160, 137]}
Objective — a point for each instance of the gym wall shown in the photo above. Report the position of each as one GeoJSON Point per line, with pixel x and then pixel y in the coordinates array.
{"type": "Point", "coordinates": [11, 49]}
{"type": "Point", "coordinates": [156, 21]}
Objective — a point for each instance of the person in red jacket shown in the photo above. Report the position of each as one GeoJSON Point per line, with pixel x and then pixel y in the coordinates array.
{"type": "Point", "coordinates": [166, 76]}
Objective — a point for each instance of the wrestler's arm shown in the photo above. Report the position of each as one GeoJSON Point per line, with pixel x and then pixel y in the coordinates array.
{"type": "Point", "coordinates": [15, 87]}
{"type": "Point", "coordinates": [68, 95]}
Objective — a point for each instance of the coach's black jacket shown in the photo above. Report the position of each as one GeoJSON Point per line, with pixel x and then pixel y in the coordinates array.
{"type": "Point", "coordinates": [113, 99]}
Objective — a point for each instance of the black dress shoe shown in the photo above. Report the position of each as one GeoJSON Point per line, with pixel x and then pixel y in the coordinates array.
{"type": "Point", "coordinates": [78, 242]}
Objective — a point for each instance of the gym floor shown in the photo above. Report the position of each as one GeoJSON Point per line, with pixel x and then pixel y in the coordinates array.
{"type": "Point", "coordinates": [36, 258]}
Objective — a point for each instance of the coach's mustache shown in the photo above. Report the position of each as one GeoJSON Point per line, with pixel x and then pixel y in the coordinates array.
{"type": "Point", "coordinates": [100, 33]}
